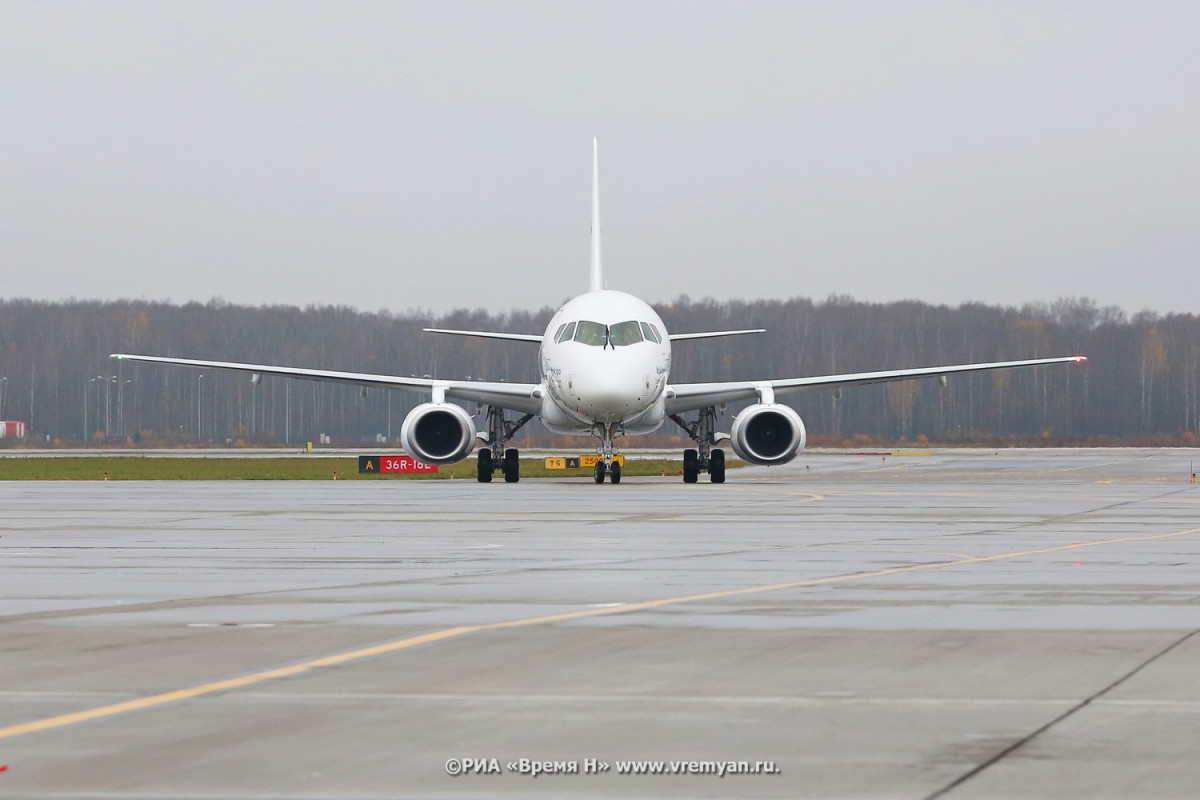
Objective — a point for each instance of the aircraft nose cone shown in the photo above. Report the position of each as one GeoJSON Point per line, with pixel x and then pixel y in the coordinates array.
{"type": "Point", "coordinates": [610, 395]}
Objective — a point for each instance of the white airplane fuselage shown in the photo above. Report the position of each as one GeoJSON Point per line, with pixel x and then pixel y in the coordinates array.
{"type": "Point", "coordinates": [605, 360]}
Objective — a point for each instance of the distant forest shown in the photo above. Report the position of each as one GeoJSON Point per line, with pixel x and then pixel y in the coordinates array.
{"type": "Point", "coordinates": [1140, 383]}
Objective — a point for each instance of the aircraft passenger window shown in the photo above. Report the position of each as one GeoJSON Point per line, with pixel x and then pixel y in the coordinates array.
{"type": "Point", "coordinates": [650, 333]}
{"type": "Point", "coordinates": [625, 333]}
{"type": "Point", "coordinates": [565, 332]}
{"type": "Point", "coordinates": [591, 333]}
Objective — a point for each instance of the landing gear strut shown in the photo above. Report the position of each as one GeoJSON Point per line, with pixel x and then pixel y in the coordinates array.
{"type": "Point", "coordinates": [497, 456]}
{"type": "Point", "coordinates": [702, 431]}
{"type": "Point", "coordinates": [606, 432]}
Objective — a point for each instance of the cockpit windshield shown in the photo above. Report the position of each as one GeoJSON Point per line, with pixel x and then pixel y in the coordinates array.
{"type": "Point", "coordinates": [591, 333]}
{"type": "Point", "coordinates": [597, 334]}
{"type": "Point", "coordinates": [625, 333]}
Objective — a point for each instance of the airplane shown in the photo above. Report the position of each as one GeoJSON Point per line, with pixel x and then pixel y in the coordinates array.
{"type": "Point", "coordinates": [605, 364]}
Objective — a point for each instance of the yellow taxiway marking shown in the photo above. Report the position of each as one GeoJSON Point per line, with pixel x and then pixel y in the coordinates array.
{"type": "Point", "coordinates": [1095, 466]}
{"type": "Point", "coordinates": [253, 678]}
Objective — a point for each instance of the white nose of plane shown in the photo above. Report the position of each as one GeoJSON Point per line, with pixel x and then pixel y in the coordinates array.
{"type": "Point", "coordinates": [611, 392]}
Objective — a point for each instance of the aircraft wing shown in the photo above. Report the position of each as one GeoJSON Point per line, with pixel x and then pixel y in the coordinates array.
{"type": "Point", "coordinates": [513, 396]}
{"type": "Point", "coordinates": [692, 396]}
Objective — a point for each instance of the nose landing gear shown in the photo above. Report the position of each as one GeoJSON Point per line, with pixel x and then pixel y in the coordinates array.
{"type": "Point", "coordinates": [606, 465]}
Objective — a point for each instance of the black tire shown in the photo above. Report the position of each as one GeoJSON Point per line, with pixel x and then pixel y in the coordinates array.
{"type": "Point", "coordinates": [716, 466]}
{"type": "Point", "coordinates": [691, 466]}
{"type": "Point", "coordinates": [485, 466]}
{"type": "Point", "coordinates": [614, 474]}
{"type": "Point", "coordinates": [512, 465]}
{"type": "Point", "coordinates": [600, 470]}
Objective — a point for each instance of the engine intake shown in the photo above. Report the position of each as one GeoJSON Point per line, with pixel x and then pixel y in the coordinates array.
{"type": "Point", "coordinates": [438, 433]}
{"type": "Point", "coordinates": [768, 433]}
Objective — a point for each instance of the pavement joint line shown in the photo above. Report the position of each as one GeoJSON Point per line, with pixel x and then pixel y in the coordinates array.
{"type": "Point", "coordinates": [1095, 697]}
{"type": "Point", "coordinates": [337, 659]}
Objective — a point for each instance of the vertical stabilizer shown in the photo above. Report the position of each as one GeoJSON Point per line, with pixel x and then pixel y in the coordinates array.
{"type": "Point", "coordinates": [596, 282]}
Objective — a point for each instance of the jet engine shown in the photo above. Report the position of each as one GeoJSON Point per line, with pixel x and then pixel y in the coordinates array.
{"type": "Point", "coordinates": [768, 433]}
{"type": "Point", "coordinates": [438, 433]}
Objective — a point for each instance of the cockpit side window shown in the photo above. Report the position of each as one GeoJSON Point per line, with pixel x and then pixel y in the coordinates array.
{"type": "Point", "coordinates": [565, 332]}
{"type": "Point", "coordinates": [651, 333]}
{"type": "Point", "coordinates": [625, 333]}
{"type": "Point", "coordinates": [591, 333]}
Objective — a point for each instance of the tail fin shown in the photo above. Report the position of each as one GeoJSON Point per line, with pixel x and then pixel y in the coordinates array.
{"type": "Point", "coordinates": [596, 283]}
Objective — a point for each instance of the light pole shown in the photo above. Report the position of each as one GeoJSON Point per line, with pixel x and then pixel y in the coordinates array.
{"type": "Point", "coordinates": [199, 388]}
{"type": "Point", "coordinates": [108, 382]}
{"type": "Point", "coordinates": [121, 405]}
{"type": "Point", "coordinates": [86, 435]}
{"type": "Point", "coordinates": [3, 381]}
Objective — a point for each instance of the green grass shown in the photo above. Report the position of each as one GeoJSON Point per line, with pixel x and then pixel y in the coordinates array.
{"type": "Point", "coordinates": [292, 468]}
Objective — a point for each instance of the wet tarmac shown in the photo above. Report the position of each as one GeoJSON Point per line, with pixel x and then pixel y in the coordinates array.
{"type": "Point", "coordinates": [961, 624]}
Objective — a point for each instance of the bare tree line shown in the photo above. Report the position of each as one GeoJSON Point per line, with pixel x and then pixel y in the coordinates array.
{"type": "Point", "coordinates": [1141, 381]}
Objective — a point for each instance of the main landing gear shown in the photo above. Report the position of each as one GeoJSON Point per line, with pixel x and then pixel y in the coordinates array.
{"type": "Point", "coordinates": [704, 457]}
{"type": "Point", "coordinates": [498, 457]}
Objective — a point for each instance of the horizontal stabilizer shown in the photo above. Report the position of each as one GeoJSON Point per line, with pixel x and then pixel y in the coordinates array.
{"type": "Point", "coordinates": [675, 337]}
{"type": "Point", "coordinates": [512, 337]}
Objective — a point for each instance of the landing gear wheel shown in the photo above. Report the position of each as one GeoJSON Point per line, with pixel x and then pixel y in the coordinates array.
{"type": "Point", "coordinates": [615, 472]}
{"type": "Point", "coordinates": [600, 472]}
{"type": "Point", "coordinates": [716, 466]}
{"type": "Point", "coordinates": [691, 466]}
{"type": "Point", "coordinates": [512, 465]}
{"type": "Point", "coordinates": [485, 466]}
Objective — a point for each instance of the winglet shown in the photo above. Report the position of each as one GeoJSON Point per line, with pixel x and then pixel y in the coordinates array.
{"type": "Point", "coordinates": [596, 282]}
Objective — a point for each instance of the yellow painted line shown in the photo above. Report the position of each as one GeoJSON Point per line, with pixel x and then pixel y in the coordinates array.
{"type": "Point", "coordinates": [226, 685]}
{"type": "Point", "coordinates": [794, 498]}
{"type": "Point", "coordinates": [1093, 466]}
{"type": "Point", "coordinates": [251, 679]}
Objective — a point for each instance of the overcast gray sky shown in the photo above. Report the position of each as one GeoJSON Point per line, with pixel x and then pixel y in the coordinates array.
{"type": "Point", "coordinates": [437, 155]}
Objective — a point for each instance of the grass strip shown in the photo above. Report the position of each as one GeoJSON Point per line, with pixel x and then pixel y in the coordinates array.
{"type": "Point", "coordinates": [293, 468]}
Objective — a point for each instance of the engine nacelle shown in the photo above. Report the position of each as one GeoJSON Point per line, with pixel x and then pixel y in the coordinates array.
{"type": "Point", "coordinates": [768, 433]}
{"type": "Point", "coordinates": [438, 433]}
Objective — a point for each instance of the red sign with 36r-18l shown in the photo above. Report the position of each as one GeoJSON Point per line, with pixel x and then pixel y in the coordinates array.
{"type": "Point", "coordinates": [393, 465]}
